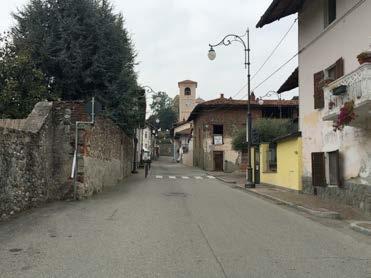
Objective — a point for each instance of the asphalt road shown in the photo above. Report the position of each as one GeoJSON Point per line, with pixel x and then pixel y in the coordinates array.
{"type": "Point", "coordinates": [178, 223]}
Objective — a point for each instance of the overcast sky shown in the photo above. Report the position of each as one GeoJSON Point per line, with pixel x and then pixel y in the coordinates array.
{"type": "Point", "coordinates": [172, 37]}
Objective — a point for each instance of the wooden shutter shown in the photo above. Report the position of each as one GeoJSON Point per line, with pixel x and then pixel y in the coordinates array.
{"type": "Point", "coordinates": [339, 68]}
{"type": "Point", "coordinates": [319, 99]}
{"type": "Point", "coordinates": [318, 169]}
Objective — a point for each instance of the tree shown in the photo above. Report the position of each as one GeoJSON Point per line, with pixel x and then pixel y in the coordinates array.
{"type": "Point", "coordinates": [264, 130]}
{"type": "Point", "coordinates": [162, 108]}
{"type": "Point", "coordinates": [83, 50]}
{"type": "Point", "coordinates": [22, 84]}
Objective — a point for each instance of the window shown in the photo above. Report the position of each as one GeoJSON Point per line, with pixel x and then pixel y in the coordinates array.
{"type": "Point", "coordinates": [271, 158]}
{"type": "Point", "coordinates": [218, 134]}
{"type": "Point", "coordinates": [330, 73]}
{"type": "Point", "coordinates": [330, 12]}
{"type": "Point", "coordinates": [187, 91]}
{"type": "Point", "coordinates": [333, 72]}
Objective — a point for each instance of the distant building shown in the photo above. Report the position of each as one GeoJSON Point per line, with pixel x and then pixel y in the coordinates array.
{"type": "Point", "coordinates": [183, 148]}
{"type": "Point", "coordinates": [215, 122]}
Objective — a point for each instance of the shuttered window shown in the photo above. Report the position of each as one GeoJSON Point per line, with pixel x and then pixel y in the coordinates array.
{"type": "Point", "coordinates": [339, 68]}
{"type": "Point", "coordinates": [319, 100]}
{"type": "Point", "coordinates": [318, 169]}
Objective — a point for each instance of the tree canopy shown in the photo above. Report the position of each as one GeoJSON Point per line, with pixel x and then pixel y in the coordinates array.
{"type": "Point", "coordinates": [264, 130]}
{"type": "Point", "coordinates": [79, 49]}
{"type": "Point", "coordinates": [162, 107]}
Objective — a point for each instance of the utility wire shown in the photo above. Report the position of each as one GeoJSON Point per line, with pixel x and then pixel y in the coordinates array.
{"type": "Point", "coordinates": [274, 50]}
{"type": "Point", "coordinates": [270, 56]}
{"type": "Point", "coordinates": [273, 73]}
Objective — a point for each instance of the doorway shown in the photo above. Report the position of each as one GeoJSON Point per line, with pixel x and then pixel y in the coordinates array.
{"type": "Point", "coordinates": [218, 161]}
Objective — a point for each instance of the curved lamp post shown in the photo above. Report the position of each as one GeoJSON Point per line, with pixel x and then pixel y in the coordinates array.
{"type": "Point", "coordinates": [226, 41]}
{"type": "Point", "coordinates": [269, 94]}
{"type": "Point", "coordinates": [147, 91]}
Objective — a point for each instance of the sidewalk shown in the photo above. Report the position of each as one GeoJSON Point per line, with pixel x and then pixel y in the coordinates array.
{"type": "Point", "coordinates": [308, 203]}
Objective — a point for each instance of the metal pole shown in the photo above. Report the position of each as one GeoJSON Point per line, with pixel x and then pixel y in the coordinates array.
{"type": "Point", "coordinates": [134, 171]}
{"type": "Point", "coordinates": [249, 181]}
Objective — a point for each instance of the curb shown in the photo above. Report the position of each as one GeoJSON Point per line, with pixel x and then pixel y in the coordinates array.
{"type": "Point", "coordinates": [355, 226]}
{"type": "Point", "coordinates": [317, 213]}
{"type": "Point", "coordinates": [222, 179]}
{"type": "Point", "coordinates": [226, 181]}
{"type": "Point", "coordinates": [322, 214]}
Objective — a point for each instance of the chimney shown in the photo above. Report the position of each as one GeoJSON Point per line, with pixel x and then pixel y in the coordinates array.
{"type": "Point", "coordinates": [221, 95]}
{"type": "Point", "coordinates": [252, 96]}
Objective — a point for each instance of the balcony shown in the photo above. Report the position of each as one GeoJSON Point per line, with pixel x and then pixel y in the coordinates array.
{"type": "Point", "coordinates": [354, 86]}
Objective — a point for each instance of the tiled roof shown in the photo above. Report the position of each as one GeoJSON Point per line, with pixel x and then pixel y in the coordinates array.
{"type": "Point", "coordinates": [187, 82]}
{"type": "Point", "coordinates": [237, 102]}
{"type": "Point", "coordinates": [228, 103]}
{"type": "Point", "coordinates": [291, 83]}
{"type": "Point", "coordinates": [279, 9]}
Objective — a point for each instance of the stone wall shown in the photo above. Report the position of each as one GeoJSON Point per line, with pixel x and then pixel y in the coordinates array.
{"type": "Point", "coordinates": [36, 156]}
{"type": "Point", "coordinates": [352, 194]}
{"type": "Point", "coordinates": [107, 157]}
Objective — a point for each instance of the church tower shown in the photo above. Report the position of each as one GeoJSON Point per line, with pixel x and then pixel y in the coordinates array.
{"type": "Point", "coordinates": [187, 98]}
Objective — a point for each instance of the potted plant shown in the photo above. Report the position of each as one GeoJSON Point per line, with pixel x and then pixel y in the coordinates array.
{"type": "Point", "coordinates": [346, 115]}
{"type": "Point", "coordinates": [364, 57]}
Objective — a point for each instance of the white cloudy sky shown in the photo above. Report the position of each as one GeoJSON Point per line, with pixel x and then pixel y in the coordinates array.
{"type": "Point", "coordinates": [172, 37]}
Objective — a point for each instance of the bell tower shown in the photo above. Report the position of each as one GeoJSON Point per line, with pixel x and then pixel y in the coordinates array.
{"type": "Point", "coordinates": [187, 98]}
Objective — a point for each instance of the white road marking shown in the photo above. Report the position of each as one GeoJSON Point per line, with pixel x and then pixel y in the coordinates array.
{"type": "Point", "coordinates": [185, 178]}
{"type": "Point", "coordinates": [198, 178]}
{"type": "Point", "coordinates": [172, 177]}
{"type": "Point", "coordinates": [159, 177]}
{"type": "Point", "coordinates": [210, 177]}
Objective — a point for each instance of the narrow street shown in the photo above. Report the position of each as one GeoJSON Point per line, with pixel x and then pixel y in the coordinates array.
{"type": "Point", "coordinates": [178, 223]}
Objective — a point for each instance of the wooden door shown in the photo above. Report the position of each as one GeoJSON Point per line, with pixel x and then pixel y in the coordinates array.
{"type": "Point", "coordinates": [218, 161]}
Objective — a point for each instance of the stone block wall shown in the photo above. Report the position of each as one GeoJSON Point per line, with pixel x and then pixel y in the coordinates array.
{"type": "Point", "coordinates": [107, 157]}
{"type": "Point", "coordinates": [36, 156]}
{"type": "Point", "coordinates": [352, 194]}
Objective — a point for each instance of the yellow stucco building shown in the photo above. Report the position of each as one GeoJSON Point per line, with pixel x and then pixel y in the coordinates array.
{"type": "Point", "coordinates": [280, 162]}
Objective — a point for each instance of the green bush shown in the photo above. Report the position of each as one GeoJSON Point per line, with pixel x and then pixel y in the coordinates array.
{"type": "Point", "coordinates": [264, 130]}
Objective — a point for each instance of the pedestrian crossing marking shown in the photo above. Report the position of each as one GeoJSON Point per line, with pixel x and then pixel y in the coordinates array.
{"type": "Point", "coordinates": [184, 177]}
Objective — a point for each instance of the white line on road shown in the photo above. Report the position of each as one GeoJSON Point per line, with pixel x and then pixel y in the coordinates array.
{"type": "Point", "coordinates": [172, 177]}
{"type": "Point", "coordinates": [198, 178]}
{"type": "Point", "coordinates": [185, 178]}
{"type": "Point", "coordinates": [210, 177]}
{"type": "Point", "coordinates": [159, 177]}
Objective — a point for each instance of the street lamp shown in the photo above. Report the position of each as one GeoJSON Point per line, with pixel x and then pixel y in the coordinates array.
{"type": "Point", "coordinates": [269, 94]}
{"type": "Point", "coordinates": [147, 91]}
{"type": "Point", "coordinates": [226, 41]}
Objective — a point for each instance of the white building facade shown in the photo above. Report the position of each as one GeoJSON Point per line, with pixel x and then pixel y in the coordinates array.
{"type": "Point", "coordinates": [332, 33]}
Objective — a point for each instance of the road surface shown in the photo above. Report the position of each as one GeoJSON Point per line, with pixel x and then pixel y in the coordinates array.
{"type": "Point", "coordinates": [178, 223]}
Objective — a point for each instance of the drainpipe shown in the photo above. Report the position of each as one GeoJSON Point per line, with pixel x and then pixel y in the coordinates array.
{"type": "Point", "coordinates": [75, 157]}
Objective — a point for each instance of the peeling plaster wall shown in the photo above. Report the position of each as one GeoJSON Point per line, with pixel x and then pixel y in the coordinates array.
{"type": "Point", "coordinates": [337, 40]}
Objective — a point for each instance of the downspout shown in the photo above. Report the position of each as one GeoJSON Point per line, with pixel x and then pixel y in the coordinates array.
{"type": "Point", "coordinates": [75, 157]}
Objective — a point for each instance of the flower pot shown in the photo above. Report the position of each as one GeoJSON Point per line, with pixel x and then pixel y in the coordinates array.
{"type": "Point", "coordinates": [364, 57]}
